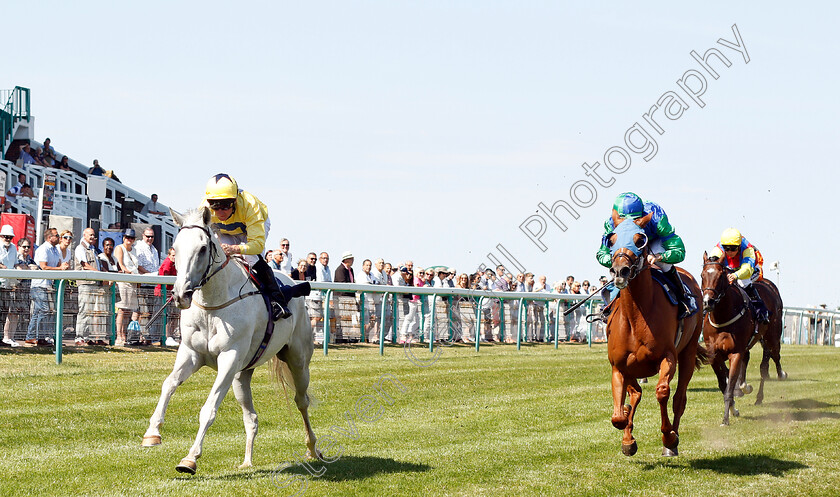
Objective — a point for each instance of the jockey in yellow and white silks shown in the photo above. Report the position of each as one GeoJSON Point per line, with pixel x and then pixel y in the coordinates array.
{"type": "Point", "coordinates": [742, 258]}
{"type": "Point", "coordinates": [243, 225]}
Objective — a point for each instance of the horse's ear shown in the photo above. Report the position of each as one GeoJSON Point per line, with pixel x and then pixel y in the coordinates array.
{"type": "Point", "coordinates": [643, 221]}
{"type": "Point", "coordinates": [205, 214]}
{"type": "Point", "coordinates": [705, 257]}
{"type": "Point", "coordinates": [615, 219]}
{"type": "Point", "coordinates": [179, 221]}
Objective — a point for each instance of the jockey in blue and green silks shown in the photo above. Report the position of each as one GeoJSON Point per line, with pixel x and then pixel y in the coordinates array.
{"type": "Point", "coordinates": [665, 247]}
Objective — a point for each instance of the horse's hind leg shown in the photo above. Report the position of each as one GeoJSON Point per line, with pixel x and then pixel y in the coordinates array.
{"type": "Point", "coordinates": [242, 391]}
{"type": "Point", "coordinates": [628, 443]}
{"type": "Point", "coordinates": [743, 388]}
{"type": "Point", "coordinates": [297, 360]}
{"type": "Point", "coordinates": [764, 369]}
{"type": "Point", "coordinates": [186, 363]}
{"type": "Point", "coordinates": [224, 378]}
{"type": "Point", "coordinates": [667, 368]}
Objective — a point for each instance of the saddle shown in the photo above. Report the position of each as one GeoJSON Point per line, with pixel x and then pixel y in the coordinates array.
{"type": "Point", "coordinates": [290, 292]}
{"type": "Point", "coordinates": [659, 277]}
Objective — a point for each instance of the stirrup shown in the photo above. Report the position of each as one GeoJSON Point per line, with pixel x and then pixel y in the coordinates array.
{"type": "Point", "coordinates": [279, 311]}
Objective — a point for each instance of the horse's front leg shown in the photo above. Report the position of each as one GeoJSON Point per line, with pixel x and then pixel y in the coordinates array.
{"type": "Point", "coordinates": [628, 443]}
{"type": "Point", "coordinates": [224, 378]}
{"type": "Point", "coordinates": [187, 362]}
{"type": "Point", "coordinates": [242, 391]}
{"type": "Point", "coordinates": [729, 394]}
{"type": "Point", "coordinates": [619, 390]}
{"type": "Point", "coordinates": [667, 368]}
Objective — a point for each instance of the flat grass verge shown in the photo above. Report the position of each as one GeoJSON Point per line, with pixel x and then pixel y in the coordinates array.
{"type": "Point", "coordinates": [497, 422]}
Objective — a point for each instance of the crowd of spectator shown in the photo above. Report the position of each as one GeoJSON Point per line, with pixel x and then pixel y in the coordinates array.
{"type": "Point", "coordinates": [55, 254]}
{"type": "Point", "coordinates": [316, 267]}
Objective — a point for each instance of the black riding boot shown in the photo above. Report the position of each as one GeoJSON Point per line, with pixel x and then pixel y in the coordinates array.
{"type": "Point", "coordinates": [265, 276]}
{"type": "Point", "coordinates": [679, 291]}
{"type": "Point", "coordinates": [761, 311]}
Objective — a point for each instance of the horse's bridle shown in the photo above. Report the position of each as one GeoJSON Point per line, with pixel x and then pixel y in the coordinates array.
{"type": "Point", "coordinates": [716, 294]}
{"type": "Point", "coordinates": [719, 295]}
{"type": "Point", "coordinates": [213, 253]}
{"type": "Point", "coordinates": [635, 265]}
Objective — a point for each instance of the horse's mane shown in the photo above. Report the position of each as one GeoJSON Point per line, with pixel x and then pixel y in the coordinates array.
{"type": "Point", "coordinates": [196, 217]}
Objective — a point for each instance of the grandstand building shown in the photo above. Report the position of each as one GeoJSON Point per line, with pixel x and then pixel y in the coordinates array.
{"type": "Point", "coordinates": [66, 198]}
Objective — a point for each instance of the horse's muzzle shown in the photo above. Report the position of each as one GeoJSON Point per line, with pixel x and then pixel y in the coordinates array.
{"type": "Point", "coordinates": [708, 304]}
{"type": "Point", "coordinates": [182, 297]}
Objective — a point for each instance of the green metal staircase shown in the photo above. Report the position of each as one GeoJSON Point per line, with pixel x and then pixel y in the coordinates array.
{"type": "Point", "coordinates": [15, 109]}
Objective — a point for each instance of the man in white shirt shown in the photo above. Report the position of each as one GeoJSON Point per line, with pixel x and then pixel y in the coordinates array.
{"type": "Point", "coordinates": [48, 258]}
{"type": "Point", "coordinates": [322, 273]}
{"type": "Point", "coordinates": [89, 291]}
{"type": "Point", "coordinates": [373, 302]}
{"type": "Point", "coordinates": [287, 265]}
{"type": "Point", "coordinates": [152, 207]}
{"type": "Point", "coordinates": [148, 258]}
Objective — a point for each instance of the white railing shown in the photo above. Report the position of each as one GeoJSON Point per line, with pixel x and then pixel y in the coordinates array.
{"type": "Point", "coordinates": [71, 197]}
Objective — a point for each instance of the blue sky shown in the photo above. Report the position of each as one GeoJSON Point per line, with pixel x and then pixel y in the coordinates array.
{"type": "Point", "coordinates": [430, 131]}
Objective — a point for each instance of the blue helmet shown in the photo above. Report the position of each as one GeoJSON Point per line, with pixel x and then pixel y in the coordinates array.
{"type": "Point", "coordinates": [629, 205]}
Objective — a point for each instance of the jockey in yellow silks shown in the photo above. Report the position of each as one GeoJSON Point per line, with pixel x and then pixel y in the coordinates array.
{"type": "Point", "coordinates": [243, 224]}
{"type": "Point", "coordinates": [744, 260]}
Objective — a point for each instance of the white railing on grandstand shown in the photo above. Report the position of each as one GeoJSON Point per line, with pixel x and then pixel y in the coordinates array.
{"type": "Point", "coordinates": [71, 198]}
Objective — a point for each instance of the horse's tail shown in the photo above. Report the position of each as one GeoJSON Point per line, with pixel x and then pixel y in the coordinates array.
{"type": "Point", "coordinates": [283, 376]}
{"type": "Point", "coordinates": [702, 357]}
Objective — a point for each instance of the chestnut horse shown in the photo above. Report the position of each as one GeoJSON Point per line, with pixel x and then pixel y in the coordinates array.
{"type": "Point", "coordinates": [729, 331]}
{"type": "Point", "coordinates": [644, 337]}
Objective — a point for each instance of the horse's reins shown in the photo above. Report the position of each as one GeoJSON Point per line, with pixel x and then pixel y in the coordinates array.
{"type": "Point", "coordinates": [208, 274]}
{"type": "Point", "coordinates": [719, 295]}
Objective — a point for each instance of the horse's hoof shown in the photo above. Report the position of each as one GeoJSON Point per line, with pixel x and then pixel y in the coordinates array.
{"type": "Point", "coordinates": [316, 456]}
{"type": "Point", "coordinates": [783, 375]}
{"type": "Point", "coordinates": [735, 412]}
{"type": "Point", "coordinates": [737, 392]}
{"type": "Point", "coordinates": [747, 389]}
{"type": "Point", "coordinates": [245, 465]}
{"type": "Point", "coordinates": [629, 450]}
{"type": "Point", "coordinates": [725, 422]}
{"type": "Point", "coordinates": [186, 466]}
{"type": "Point", "coordinates": [670, 452]}
{"type": "Point", "coordinates": [151, 441]}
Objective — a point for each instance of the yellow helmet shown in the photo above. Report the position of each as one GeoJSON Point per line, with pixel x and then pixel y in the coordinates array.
{"type": "Point", "coordinates": [730, 236]}
{"type": "Point", "coordinates": [221, 186]}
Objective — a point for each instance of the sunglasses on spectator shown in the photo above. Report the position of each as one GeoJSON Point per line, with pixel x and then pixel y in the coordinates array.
{"type": "Point", "coordinates": [284, 244]}
{"type": "Point", "coordinates": [730, 248]}
{"type": "Point", "coordinates": [149, 236]}
{"type": "Point", "coordinates": [24, 246]}
{"type": "Point", "coordinates": [7, 237]}
{"type": "Point", "coordinates": [221, 205]}
{"type": "Point", "coordinates": [67, 237]}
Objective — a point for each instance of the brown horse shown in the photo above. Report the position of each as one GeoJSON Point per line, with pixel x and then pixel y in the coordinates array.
{"type": "Point", "coordinates": [730, 329]}
{"type": "Point", "coordinates": [644, 337]}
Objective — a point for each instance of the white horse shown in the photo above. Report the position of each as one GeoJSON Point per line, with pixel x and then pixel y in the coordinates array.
{"type": "Point", "coordinates": [222, 326]}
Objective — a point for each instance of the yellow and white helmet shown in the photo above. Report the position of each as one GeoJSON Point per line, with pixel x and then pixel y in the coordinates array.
{"type": "Point", "coordinates": [730, 236]}
{"type": "Point", "coordinates": [221, 186]}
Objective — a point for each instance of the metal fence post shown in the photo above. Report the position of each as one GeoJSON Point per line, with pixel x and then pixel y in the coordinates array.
{"type": "Point", "coordinates": [327, 323]}
{"type": "Point", "coordinates": [362, 317]}
{"type": "Point", "coordinates": [394, 321]}
{"type": "Point", "coordinates": [382, 324]}
{"type": "Point", "coordinates": [801, 319]}
{"type": "Point", "coordinates": [113, 311]}
{"type": "Point", "coordinates": [501, 320]}
{"type": "Point", "coordinates": [478, 320]}
{"type": "Point", "coordinates": [589, 328]}
{"type": "Point", "coordinates": [59, 319]}
{"type": "Point", "coordinates": [519, 326]}
{"type": "Point", "coordinates": [165, 314]}
{"type": "Point", "coordinates": [432, 324]}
